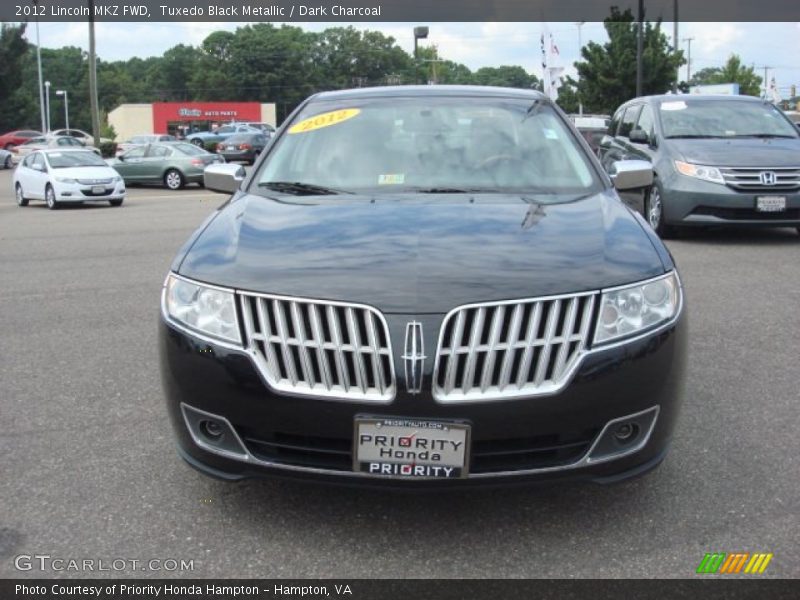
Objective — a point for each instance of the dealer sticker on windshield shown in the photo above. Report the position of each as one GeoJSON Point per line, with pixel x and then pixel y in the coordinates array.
{"type": "Point", "coordinates": [408, 448]}
{"type": "Point", "coordinates": [324, 120]}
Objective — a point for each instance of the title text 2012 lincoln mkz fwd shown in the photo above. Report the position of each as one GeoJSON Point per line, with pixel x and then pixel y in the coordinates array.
{"type": "Point", "coordinates": [423, 286]}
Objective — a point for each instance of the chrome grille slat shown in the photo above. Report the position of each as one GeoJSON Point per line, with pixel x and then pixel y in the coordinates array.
{"type": "Point", "coordinates": [450, 374]}
{"type": "Point", "coordinates": [497, 364]}
{"type": "Point", "coordinates": [747, 179]}
{"type": "Point", "coordinates": [320, 349]}
{"type": "Point", "coordinates": [513, 336]}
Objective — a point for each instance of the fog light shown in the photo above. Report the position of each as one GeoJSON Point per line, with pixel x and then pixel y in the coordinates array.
{"type": "Point", "coordinates": [626, 432]}
{"type": "Point", "coordinates": [212, 430]}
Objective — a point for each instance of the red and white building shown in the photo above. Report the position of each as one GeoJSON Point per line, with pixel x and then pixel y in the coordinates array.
{"type": "Point", "coordinates": [175, 117]}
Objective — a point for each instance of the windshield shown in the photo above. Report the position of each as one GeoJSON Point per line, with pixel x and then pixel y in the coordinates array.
{"type": "Point", "coordinates": [66, 160]}
{"type": "Point", "coordinates": [428, 144]}
{"type": "Point", "coordinates": [723, 118]}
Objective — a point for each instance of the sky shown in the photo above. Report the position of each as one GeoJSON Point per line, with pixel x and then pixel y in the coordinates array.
{"type": "Point", "coordinates": [476, 45]}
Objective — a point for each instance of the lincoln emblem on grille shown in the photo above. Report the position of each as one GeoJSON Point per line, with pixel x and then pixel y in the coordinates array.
{"type": "Point", "coordinates": [414, 356]}
{"type": "Point", "coordinates": [767, 177]}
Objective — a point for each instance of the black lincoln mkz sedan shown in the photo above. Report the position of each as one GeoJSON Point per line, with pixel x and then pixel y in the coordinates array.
{"type": "Point", "coordinates": [423, 286]}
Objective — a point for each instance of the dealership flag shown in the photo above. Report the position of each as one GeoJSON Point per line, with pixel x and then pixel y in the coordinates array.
{"type": "Point", "coordinates": [551, 66]}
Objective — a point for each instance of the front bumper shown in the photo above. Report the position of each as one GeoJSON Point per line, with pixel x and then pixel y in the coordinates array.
{"type": "Point", "coordinates": [75, 192]}
{"type": "Point", "coordinates": [689, 202]}
{"type": "Point", "coordinates": [529, 439]}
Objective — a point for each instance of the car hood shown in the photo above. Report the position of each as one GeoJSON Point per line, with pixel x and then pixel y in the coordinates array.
{"type": "Point", "coordinates": [84, 173]}
{"type": "Point", "coordinates": [744, 152]}
{"type": "Point", "coordinates": [421, 255]}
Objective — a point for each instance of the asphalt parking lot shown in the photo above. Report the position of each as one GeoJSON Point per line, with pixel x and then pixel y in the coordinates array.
{"type": "Point", "coordinates": [89, 471]}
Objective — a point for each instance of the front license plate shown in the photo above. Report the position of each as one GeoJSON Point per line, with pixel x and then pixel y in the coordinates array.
{"type": "Point", "coordinates": [98, 189]}
{"type": "Point", "coordinates": [409, 448]}
{"type": "Point", "coordinates": [770, 203]}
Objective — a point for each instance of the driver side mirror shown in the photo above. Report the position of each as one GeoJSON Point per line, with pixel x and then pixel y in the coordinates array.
{"type": "Point", "coordinates": [225, 178]}
{"type": "Point", "coordinates": [631, 174]}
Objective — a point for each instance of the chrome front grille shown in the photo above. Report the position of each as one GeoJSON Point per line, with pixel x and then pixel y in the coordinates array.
{"type": "Point", "coordinates": [780, 179]}
{"type": "Point", "coordinates": [324, 349]}
{"type": "Point", "coordinates": [511, 349]}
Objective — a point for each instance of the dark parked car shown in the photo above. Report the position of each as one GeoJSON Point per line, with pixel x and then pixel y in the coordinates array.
{"type": "Point", "coordinates": [220, 134]}
{"type": "Point", "coordinates": [718, 160]}
{"type": "Point", "coordinates": [592, 128]}
{"type": "Point", "coordinates": [171, 164]}
{"type": "Point", "coordinates": [242, 147]}
{"type": "Point", "coordinates": [419, 286]}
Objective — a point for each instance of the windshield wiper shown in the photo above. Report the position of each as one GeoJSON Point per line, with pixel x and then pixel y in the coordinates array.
{"type": "Point", "coordinates": [301, 189]}
{"type": "Point", "coordinates": [763, 135]}
{"type": "Point", "coordinates": [690, 136]}
{"type": "Point", "coordinates": [448, 190]}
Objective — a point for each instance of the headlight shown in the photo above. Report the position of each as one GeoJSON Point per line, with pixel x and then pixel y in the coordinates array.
{"type": "Point", "coordinates": [116, 179]}
{"type": "Point", "coordinates": [207, 310]}
{"type": "Point", "coordinates": [627, 311]}
{"type": "Point", "coordinates": [711, 174]}
{"type": "Point", "coordinates": [65, 180]}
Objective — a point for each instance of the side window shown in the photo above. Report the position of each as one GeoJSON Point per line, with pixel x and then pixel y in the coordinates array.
{"type": "Point", "coordinates": [63, 141]}
{"type": "Point", "coordinates": [646, 122]}
{"type": "Point", "coordinates": [614, 124]}
{"type": "Point", "coordinates": [136, 152]}
{"type": "Point", "coordinates": [628, 119]}
{"type": "Point", "coordinates": [158, 152]}
{"type": "Point", "coordinates": [38, 161]}
{"type": "Point", "coordinates": [28, 162]}
{"type": "Point", "coordinates": [226, 129]}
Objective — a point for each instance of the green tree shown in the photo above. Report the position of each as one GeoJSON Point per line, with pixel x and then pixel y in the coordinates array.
{"type": "Point", "coordinates": [607, 75]}
{"type": "Point", "coordinates": [13, 51]}
{"type": "Point", "coordinates": [506, 76]}
{"type": "Point", "coordinates": [732, 72]}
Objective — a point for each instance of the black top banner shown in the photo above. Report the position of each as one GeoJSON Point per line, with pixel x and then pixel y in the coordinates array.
{"type": "Point", "coordinates": [390, 10]}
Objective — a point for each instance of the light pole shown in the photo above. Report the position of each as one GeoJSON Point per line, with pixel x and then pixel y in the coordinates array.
{"type": "Point", "coordinates": [420, 33]}
{"type": "Point", "coordinates": [689, 41]}
{"type": "Point", "coordinates": [47, 88]}
{"type": "Point", "coordinates": [580, 45]}
{"type": "Point", "coordinates": [66, 106]}
{"type": "Point", "coordinates": [39, 66]}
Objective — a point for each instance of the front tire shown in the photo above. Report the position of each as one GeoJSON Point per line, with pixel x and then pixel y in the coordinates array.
{"type": "Point", "coordinates": [50, 197]}
{"type": "Point", "coordinates": [173, 179]}
{"type": "Point", "coordinates": [654, 213]}
{"type": "Point", "coordinates": [21, 199]}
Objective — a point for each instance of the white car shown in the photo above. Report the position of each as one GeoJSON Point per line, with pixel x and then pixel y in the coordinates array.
{"type": "Point", "coordinates": [79, 134]}
{"type": "Point", "coordinates": [67, 176]}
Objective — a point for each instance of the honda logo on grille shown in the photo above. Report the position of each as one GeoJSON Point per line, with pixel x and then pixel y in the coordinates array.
{"type": "Point", "coordinates": [767, 177]}
{"type": "Point", "coordinates": [414, 357]}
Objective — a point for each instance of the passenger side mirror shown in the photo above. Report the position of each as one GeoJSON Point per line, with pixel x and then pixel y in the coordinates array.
{"type": "Point", "coordinates": [639, 136]}
{"type": "Point", "coordinates": [631, 174]}
{"type": "Point", "coordinates": [225, 178]}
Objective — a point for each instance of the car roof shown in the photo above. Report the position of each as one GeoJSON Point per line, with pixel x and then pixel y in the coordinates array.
{"type": "Point", "coordinates": [694, 98]}
{"type": "Point", "coordinates": [61, 149]}
{"type": "Point", "coordinates": [429, 90]}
